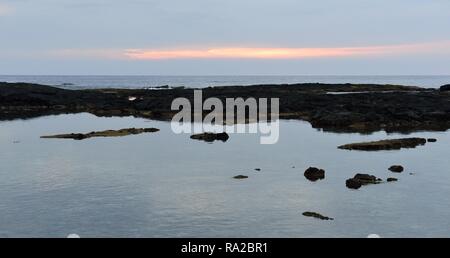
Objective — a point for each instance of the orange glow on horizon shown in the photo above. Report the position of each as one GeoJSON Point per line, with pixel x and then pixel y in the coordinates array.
{"type": "Point", "coordinates": [256, 53]}
{"type": "Point", "coordinates": [282, 53]}
{"type": "Point", "coordinates": [440, 48]}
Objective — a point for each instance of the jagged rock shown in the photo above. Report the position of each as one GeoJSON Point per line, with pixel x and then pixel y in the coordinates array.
{"type": "Point", "coordinates": [396, 169]}
{"type": "Point", "coordinates": [107, 133]}
{"type": "Point", "coordinates": [394, 144]}
{"type": "Point", "coordinates": [314, 174]}
{"type": "Point", "coordinates": [240, 177]}
{"type": "Point", "coordinates": [361, 179]}
{"type": "Point", "coordinates": [316, 215]}
{"type": "Point", "coordinates": [210, 137]}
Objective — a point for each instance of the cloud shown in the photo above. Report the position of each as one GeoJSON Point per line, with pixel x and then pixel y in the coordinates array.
{"type": "Point", "coordinates": [285, 53]}
{"type": "Point", "coordinates": [5, 9]}
{"type": "Point", "coordinates": [221, 53]}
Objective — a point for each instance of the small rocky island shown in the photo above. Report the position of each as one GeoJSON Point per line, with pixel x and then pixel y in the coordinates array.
{"type": "Point", "coordinates": [361, 108]}
{"type": "Point", "coordinates": [392, 144]}
{"type": "Point", "coordinates": [107, 133]}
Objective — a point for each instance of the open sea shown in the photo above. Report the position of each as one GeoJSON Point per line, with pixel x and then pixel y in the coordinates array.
{"type": "Point", "coordinates": [77, 82]}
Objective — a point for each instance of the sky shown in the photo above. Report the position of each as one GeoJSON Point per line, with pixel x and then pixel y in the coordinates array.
{"type": "Point", "coordinates": [232, 37]}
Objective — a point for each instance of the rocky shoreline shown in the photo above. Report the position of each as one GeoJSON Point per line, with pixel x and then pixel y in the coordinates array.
{"type": "Point", "coordinates": [361, 108]}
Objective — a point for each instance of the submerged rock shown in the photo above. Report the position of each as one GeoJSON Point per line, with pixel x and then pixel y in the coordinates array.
{"type": "Point", "coordinates": [210, 137]}
{"type": "Point", "coordinates": [361, 179]}
{"type": "Point", "coordinates": [316, 215]}
{"type": "Point", "coordinates": [314, 174]}
{"type": "Point", "coordinates": [107, 133]}
{"type": "Point", "coordinates": [240, 177]}
{"type": "Point", "coordinates": [392, 179]}
{"type": "Point", "coordinates": [393, 144]}
{"type": "Point", "coordinates": [257, 169]}
{"type": "Point", "coordinates": [431, 140]}
{"type": "Point", "coordinates": [396, 169]}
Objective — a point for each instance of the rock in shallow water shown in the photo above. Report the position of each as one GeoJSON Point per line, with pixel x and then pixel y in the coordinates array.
{"type": "Point", "coordinates": [314, 174]}
{"type": "Point", "coordinates": [353, 183]}
{"type": "Point", "coordinates": [392, 179]}
{"type": "Point", "coordinates": [240, 177]}
{"type": "Point", "coordinates": [107, 133]}
{"type": "Point", "coordinates": [396, 169]}
{"type": "Point", "coordinates": [210, 137]}
{"type": "Point", "coordinates": [392, 144]}
{"type": "Point", "coordinates": [361, 179]}
{"type": "Point", "coordinates": [316, 215]}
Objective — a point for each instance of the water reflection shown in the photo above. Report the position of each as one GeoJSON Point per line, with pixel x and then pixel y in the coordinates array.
{"type": "Point", "coordinates": [167, 185]}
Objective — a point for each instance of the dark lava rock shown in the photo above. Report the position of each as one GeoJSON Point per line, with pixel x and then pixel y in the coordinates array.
{"type": "Point", "coordinates": [366, 179]}
{"type": "Point", "coordinates": [240, 177]}
{"type": "Point", "coordinates": [431, 140]}
{"type": "Point", "coordinates": [107, 133]}
{"type": "Point", "coordinates": [314, 174]}
{"type": "Point", "coordinates": [394, 144]}
{"type": "Point", "coordinates": [353, 183]}
{"type": "Point", "coordinates": [396, 169]}
{"type": "Point", "coordinates": [361, 108]}
{"type": "Point", "coordinates": [316, 215]}
{"type": "Point", "coordinates": [361, 179]}
{"type": "Point", "coordinates": [210, 137]}
{"type": "Point", "coordinates": [445, 87]}
{"type": "Point", "coordinates": [392, 179]}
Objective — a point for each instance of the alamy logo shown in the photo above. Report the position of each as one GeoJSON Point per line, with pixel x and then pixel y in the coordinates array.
{"type": "Point", "coordinates": [240, 116]}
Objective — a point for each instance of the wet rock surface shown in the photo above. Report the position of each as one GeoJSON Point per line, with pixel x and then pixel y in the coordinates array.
{"type": "Point", "coordinates": [396, 169]}
{"type": "Point", "coordinates": [210, 137]}
{"type": "Point", "coordinates": [360, 107]}
{"type": "Point", "coordinates": [316, 215]}
{"type": "Point", "coordinates": [353, 183]}
{"type": "Point", "coordinates": [107, 133]}
{"type": "Point", "coordinates": [392, 179]}
{"type": "Point", "coordinates": [240, 177]}
{"type": "Point", "coordinates": [431, 140]}
{"type": "Point", "coordinates": [392, 144]}
{"type": "Point", "coordinates": [313, 174]}
{"type": "Point", "coordinates": [361, 179]}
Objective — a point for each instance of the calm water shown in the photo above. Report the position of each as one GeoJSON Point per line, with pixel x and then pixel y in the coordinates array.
{"type": "Point", "coordinates": [76, 82]}
{"type": "Point", "coordinates": [167, 185]}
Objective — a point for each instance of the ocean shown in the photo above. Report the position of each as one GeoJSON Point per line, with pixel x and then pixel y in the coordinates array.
{"type": "Point", "coordinates": [79, 82]}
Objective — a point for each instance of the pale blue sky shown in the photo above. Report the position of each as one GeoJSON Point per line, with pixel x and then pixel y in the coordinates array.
{"type": "Point", "coordinates": [91, 36]}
